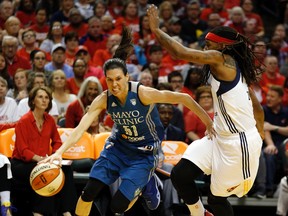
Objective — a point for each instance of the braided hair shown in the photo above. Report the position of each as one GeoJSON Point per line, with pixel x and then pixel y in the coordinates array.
{"type": "Point", "coordinates": [238, 47]}
{"type": "Point", "coordinates": [123, 51]}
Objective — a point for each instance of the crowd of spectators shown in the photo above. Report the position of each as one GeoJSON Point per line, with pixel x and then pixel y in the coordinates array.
{"type": "Point", "coordinates": [63, 45]}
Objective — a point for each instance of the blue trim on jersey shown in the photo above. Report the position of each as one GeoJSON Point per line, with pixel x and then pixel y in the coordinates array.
{"type": "Point", "coordinates": [228, 120]}
{"type": "Point", "coordinates": [245, 155]}
{"type": "Point", "coordinates": [225, 86]}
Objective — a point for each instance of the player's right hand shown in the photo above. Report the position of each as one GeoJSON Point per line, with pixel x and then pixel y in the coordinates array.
{"type": "Point", "coordinates": [54, 158]}
{"type": "Point", "coordinates": [153, 17]}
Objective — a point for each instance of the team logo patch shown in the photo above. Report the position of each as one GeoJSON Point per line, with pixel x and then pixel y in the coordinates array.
{"type": "Point", "coordinates": [232, 188]}
{"type": "Point", "coordinates": [133, 102]}
{"type": "Point", "coordinates": [113, 104]}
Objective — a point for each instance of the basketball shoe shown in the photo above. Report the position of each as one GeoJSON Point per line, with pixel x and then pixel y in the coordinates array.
{"type": "Point", "coordinates": [207, 213]}
{"type": "Point", "coordinates": [7, 208]}
{"type": "Point", "coordinates": [151, 194]}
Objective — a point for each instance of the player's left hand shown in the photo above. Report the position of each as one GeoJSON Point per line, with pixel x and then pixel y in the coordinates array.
{"type": "Point", "coordinates": [152, 13]}
{"type": "Point", "coordinates": [210, 131]}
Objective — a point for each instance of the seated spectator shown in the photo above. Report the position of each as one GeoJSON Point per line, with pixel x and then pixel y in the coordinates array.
{"type": "Point", "coordinates": [85, 8]}
{"type": "Point", "coordinates": [58, 61]}
{"type": "Point", "coordinates": [165, 14]}
{"type": "Point", "coordinates": [8, 108]}
{"type": "Point", "coordinates": [54, 36]}
{"type": "Point", "coordinates": [71, 44]}
{"type": "Point", "coordinates": [20, 86]}
{"type": "Point", "coordinates": [94, 39]}
{"type": "Point", "coordinates": [27, 153]}
{"type": "Point", "coordinates": [34, 80]}
{"type": "Point", "coordinates": [130, 16]}
{"type": "Point", "coordinates": [41, 28]}
{"type": "Point", "coordinates": [271, 75]}
{"type": "Point", "coordinates": [215, 6]}
{"type": "Point", "coordinates": [82, 52]}
{"type": "Point", "coordinates": [14, 62]}
{"type": "Point", "coordinates": [89, 90]}
{"type": "Point", "coordinates": [26, 12]}
{"type": "Point", "coordinates": [38, 61]}
{"type": "Point", "coordinates": [146, 78]}
{"type": "Point", "coordinates": [236, 19]}
{"type": "Point", "coordinates": [107, 26]}
{"type": "Point", "coordinates": [29, 44]}
{"type": "Point", "coordinates": [79, 69]}
{"type": "Point", "coordinates": [62, 15]}
{"type": "Point", "coordinates": [194, 127]}
{"type": "Point", "coordinates": [76, 24]}
{"type": "Point", "coordinates": [102, 55]}
{"type": "Point", "coordinates": [13, 28]}
{"type": "Point", "coordinates": [175, 78]}
{"type": "Point", "coordinates": [169, 194]}
{"type": "Point", "coordinates": [4, 71]}
{"type": "Point", "coordinates": [156, 56]}
{"type": "Point", "coordinates": [6, 11]}
{"type": "Point", "coordinates": [276, 122]}
{"type": "Point", "coordinates": [60, 94]}
{"type": "Point", "coordinates": [193, 26]}
{"type": "Point", "coordinates": [247, 6]}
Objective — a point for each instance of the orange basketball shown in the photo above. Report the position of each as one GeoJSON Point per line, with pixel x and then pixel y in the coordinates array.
{"type": "Point", "coordinates": [47, 179]}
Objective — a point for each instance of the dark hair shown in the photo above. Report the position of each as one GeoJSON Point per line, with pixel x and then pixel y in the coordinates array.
{"type": "Point", "coordinates": [240, 51]}
{"type": "Point", "coordinates": [31, 79]}
{"type": "Point", "coordinates": [49, 34]}
{"type": "Point", "coordinates": [197, 70]}
{"type": "Point", "coordinates": [141, 33]}
{"type": "Point", "coordinates": [71, 35]}
{"type": "Point", "coordinates": [155, 48]}
{"type": "Point", "coordinates": [26, 31]}
{"type": "Point", "coordinates": [123, 51]}
{"type": "Point", "coordinates": [22, 7]}
{"type": "Point", "coordinates": [174, 74]}
{"type": "Point", "coordinates": [34, 52]}
{"type": "Point", "coordinates": [33, 93]}
{"type": "Point", "coordinates": [277, 88]}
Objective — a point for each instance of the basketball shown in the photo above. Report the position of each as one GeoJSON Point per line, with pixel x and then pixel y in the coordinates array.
{"type": "Point", "coordinates": [47, 179]}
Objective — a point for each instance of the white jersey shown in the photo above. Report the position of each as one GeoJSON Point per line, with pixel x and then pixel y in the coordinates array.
{"type": "Point", "coordinates": [233, 109]}
{"type": "Point", "coordinates": [232, 156]}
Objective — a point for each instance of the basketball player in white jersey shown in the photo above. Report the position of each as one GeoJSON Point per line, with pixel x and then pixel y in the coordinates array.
{"type": "Point", "coordinates": [232, 157]}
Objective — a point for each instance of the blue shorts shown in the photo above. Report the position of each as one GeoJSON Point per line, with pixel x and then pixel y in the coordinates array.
{"type": "Point", "coordinates": [134, 176]}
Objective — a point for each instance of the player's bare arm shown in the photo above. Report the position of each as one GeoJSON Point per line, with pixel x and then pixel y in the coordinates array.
{"type": "Point", "coordinates": [95, 109]}
{"type": "Point", "coordinates": [150, 95]}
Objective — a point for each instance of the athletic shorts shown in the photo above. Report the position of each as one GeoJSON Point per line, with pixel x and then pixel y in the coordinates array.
{"type": "Point", "coordinates": [232, 161]}
{"type": "Point", "coordinates": [134, 176]}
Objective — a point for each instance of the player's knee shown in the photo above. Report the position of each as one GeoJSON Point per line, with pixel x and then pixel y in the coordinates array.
{"type": "Point", "coordinates": [119, 203]}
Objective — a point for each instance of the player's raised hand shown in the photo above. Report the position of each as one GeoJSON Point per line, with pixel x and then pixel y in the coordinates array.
{"type": "Point", "coordinates": [153, 16]}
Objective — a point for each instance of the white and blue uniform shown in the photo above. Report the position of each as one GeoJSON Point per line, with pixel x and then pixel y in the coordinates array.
{"type": "Point", "coordinates": [232, 157]}
{"type": "Point", "coordinates": [131, 152]}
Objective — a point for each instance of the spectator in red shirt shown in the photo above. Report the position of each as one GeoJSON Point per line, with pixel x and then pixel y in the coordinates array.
{"type": "Point", "coordinates": [194, 127]}
{"type": "Point", "coordinates": [216, 6]}
{"type": "Point", "coordinates": [13, 28]}
{"type": "Point", "coordinates": [76, 24]}
{"type": "Point", "coordinates": [32, 148]}
{"type": "Point", "coordinates": [9, 48]}
{"type": "Point", "coordinates": [102, 55]}
{"type": "Point", "coordinates": [6, 10]}
{"type": "Point", "coordinates": [236, 19]}
{"type": "Point", "coordinates": [89, 90]}
{"type": "Point", "coordinates": [26, 12]}
{"type": "Point", "coordinates": [71, 42]}
{"type": "Point", "coordinates": [94, 39]}
{"type": "Point", "coordinates": [29, 44]}
{"type": "Point", "coordinates": [40, 27]}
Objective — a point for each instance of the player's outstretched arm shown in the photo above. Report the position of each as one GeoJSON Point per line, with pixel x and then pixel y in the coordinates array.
{"type": "Point", "coordinates": [176, 49]}
{"type": "Point", "coordinates": [150, 95]}
{"type": "Point", "coordinates": [95, 109]}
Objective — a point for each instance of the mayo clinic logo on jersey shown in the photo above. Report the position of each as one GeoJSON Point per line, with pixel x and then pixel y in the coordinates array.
{"type": "Point", "coordinates": [133, 102]}
{"type": "Point", "coordinates": [127, 118]}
